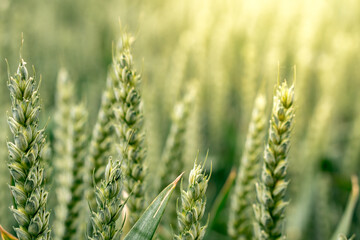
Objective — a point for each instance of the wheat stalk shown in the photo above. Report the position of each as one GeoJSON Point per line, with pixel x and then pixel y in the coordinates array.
{"type": "Point", "coordinates": [241, 215]}
{"type": "Point", "coordinates": [24, 153]}
{"type": "Point", "coordinates": [271, 189]}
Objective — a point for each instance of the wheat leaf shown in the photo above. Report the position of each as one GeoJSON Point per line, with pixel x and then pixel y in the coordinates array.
{"type": "Point", "coordinates": [220, 201]}
{"type": "Point", "coordinates": [345, 222]}
{"type": "Point", "coordinates": [5, 235]}
{"type": "Point", "coordinates": [147, 224]}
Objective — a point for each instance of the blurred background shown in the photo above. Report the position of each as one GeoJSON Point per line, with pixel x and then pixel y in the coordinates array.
{"type": "Point", "coordinates": [230, 49]}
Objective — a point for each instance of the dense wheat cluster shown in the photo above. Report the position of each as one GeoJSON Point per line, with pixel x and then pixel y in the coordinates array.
{"type": "Point", "coordinates": [130, 97]}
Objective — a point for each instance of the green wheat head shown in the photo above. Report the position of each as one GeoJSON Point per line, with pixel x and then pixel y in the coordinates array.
{"type": "Point", "coordinates": [172, 158]}
{"type": "Point", "coordinates": [109, 204]}
{"type": "Point", "coordinates": [192, 208]}
{"type": "Point", "coordinates": [241, 214]}
{"type": "Point", "coordinates": [24, 158]}
{"type": "Point", "coordinates": [271, 189]}
{"type": "Point", "coordinates": [101, 141]}
{"type": "Point", "coordinates": [101, 145]}
{"type": "Point", "coordinates": [62, 145]}
{"type": "Point", "coordinates": [75, 207]}
{"type": "Point", "coordinates": [129, 123]}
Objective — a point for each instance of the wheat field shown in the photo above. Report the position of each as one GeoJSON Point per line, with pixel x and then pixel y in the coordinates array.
{"type": "Point", "coordinates": [164, 119]}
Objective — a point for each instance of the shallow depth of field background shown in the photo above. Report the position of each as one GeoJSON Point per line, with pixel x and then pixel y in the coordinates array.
{"type": "Point", "coordinates": [230, 49]}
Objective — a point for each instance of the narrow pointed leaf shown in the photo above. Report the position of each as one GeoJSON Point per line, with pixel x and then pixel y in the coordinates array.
{"type": "Point", "coordinates": [5, 235]}
{"type": "Point", "coordinates": [345, 222]}
{"type": "Point", "coordinates": [147, 224]}
{"type": "Point", "coordinates": [220, 204]}
{"type": "Point", "coordinates": [222, 198]}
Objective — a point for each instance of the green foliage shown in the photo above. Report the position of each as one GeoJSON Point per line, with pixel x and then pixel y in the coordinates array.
{"type": "Point", "coordinates": [145, 227]}
{"type": "Point", "coordinates": [229, 50]}
{"type": "Point", "coordinates": [6, 235]}
{"type": "Point", "coordinates": [345, 222]}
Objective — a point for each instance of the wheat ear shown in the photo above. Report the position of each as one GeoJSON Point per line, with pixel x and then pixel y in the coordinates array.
{"type": "Point", "coordinates": [24, 153]}
{"type": "Point", "coordinates": [129, 121]}
{"type": "Point", "coordinates": [78, 130]}
{"type": "Point", "coordinates": [192, 208]}
{"type": "Point", "coordinates": [62, 143]}
{"type": "Point", "coordinates": [241, 215]}
{"type": "Point", "coordinates": [271, 189]}
{"type": "Point", "coordinates": [101, 141]}
{"type": "Point", "coordinates": [109, 206]}
{"type": "Point", "coordinates": [172, 158]}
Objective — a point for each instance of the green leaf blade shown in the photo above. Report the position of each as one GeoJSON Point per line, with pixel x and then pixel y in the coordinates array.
{"type": "Point", "coordinates": [220, 203]}
{"type": "Point", "coordinates": [6, 235]}
{"type": "Point", "coordinates": [145, 227]}
{"type": "Point", "coordinates": [345, 222]}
